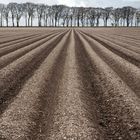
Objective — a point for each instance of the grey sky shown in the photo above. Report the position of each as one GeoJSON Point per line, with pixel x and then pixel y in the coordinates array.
{"type": "Point", "coordinates": [92, 3]}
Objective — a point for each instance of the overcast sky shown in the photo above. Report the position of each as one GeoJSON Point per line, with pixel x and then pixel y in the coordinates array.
{"type": "Point", "coordinates": [92, 3]}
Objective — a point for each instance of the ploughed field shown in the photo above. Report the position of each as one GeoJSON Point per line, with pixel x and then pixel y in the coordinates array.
{"type": "Point", "coordinates": [70, 84]}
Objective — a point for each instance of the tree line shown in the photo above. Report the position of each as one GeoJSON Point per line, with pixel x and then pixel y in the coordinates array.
{"type": "Point", "coordinates": [61, 15]}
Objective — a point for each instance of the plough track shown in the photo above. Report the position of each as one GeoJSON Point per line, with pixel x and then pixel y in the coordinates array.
{"type": "Point", "coordinates": [69, 84]}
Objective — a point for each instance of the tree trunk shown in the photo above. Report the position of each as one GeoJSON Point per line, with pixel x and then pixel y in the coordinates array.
{"type": "Point", "coordinates": [82, 21]}
{"type": "Point", "coordinates": [131, 22]}
{"type": "Point", "coordinates": [71, 21]}
{"type": "Point", "coordinates": [17, 23]}
{"type": "Point", "coordinates": [13, 21]}
{"type": "Point", "coordinates": [58, 22]}
{"type": "Point", "coordinates": [74, 21]}
{"type": "Point", "coordinates": [52, 22]}
{"type": "Point", "coordinates": [28, 21]}
{"type": "Point", "coordinates": [123, 22]}
{"type": "Point", "coordinates": [64, 22]}
{"type": "Point", "coordinates": [97, 24]}
{"type": "Point", "coordinates": [87, 22]}
{"type": "Point", "coordinates": [46, 22]}
{"type": "Point", "coordinates": [78, 21]}
{"type": "Point", "coordinates": [39, 21]}
{"type": "Point", "coordinates": [7, 22]}
{"type": "Point", "coordinates": [106, 22]}
{"type": "Point", "coordinates": [137, 22]}
{"type": "Point", "coordinates": [31, 21]}
{"type": "Point", "coordinates": [67, 22]}
{"type": "Point", "coordinates": [55, 22]}
{"type": "Point", "coordinates": [39, 24]}
{"type": "Point", "coordinates": [127, 21]}
{"type": "Point", "coordinates": [1, 20]}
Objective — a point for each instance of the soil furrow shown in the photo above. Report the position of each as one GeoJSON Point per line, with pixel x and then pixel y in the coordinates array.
{"type": "Point", "coordinates": [72, 118]}
{"type": "Point", "coordinates": [22, 39]}
{"type": "Point", "coordinates": [130, 56]}
{"type": "Point", "coordinates": [12, 38]}
{"type": "Point", "coordinates": [123, 39]}
{"type": "Point", "coordinates": [69, 84]}
{"type": "Point", "coordinates": [17, 41]}
{"type": "Point", "coordinates": [13, 55]}
{"type": "Point", "coordinates": [127, 71]}
{"type": "Point", "coordinates": [122, 44]}
{"type": "Point", "coordinates": [118, 105]}
{"type": "Point", "coordinates": [13, 75]}
{"type": "Point", "coordinates": [15, 36]}
{"type": "Point", "coordinates": [25, 112]}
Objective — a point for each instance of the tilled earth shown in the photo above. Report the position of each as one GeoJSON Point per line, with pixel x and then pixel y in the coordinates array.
{"type": "Point", "coordinates": [70, 84]}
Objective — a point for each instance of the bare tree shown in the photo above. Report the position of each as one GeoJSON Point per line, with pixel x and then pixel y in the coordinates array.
{"type": "Point", "coordinates": [29, 8]}
{"type": "Point", "coordinates": [46, 15]}
{"type": "Point", "coordinates": [87, 16]}
{"type": "Point", "coordinates": [12, 8]}
{"type": "Point", "coordinates": [2, 6]}
{"type": "Point", "coordinates": [74, 15]}
{"type": "Point", "coordinates": [128, 14]}
{"type": "Point", "coordinates": [60, 11]}
{"type": "Point", "coordinates": [131, 18]}
{"type": "Point", "coordinates": [77, 15]}
{"type": "Point", "coordinates": [68, 17]}
{"type": "Point", "coordinates": [137, 18]}
{"type": "Point", "coordinates": [71, 15]}
{"type": "Point", "coordinates": [82, 11]}
{"type": "Point", "coordinates": [92, 16]}
{"type": "Point", "coordinates": [57, 11]}
{"type": "Point", "coordinates": [25, 13]}
{"type": "Point", "coordinates": [18, 12]}
{"type": "Point", "coordinates": [106, 14]}
{"type": "Point", "coordinates": [51, 15]}
{"type": "Point", "coordinates": [98, 13]}
{"type": "Point", "coordinates": [115, 16]}
{"type": "Point", "coordinates": [6, 14]}
{"type": "Point", "coordinates": [40, 11]}
{"type": "Point", "coordinates": [65, 15]}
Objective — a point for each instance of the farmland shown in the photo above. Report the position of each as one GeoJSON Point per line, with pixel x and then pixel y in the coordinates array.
{"type": "Point", "coordinates": [69, 83]}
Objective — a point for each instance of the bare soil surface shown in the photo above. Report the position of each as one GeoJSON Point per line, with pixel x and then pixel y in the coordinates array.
{"type": "Point", "coordinates": [70, 84]}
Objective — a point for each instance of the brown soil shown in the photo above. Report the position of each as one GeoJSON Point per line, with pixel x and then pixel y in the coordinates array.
{"type": "Point", "coordinates": [70, 84]}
